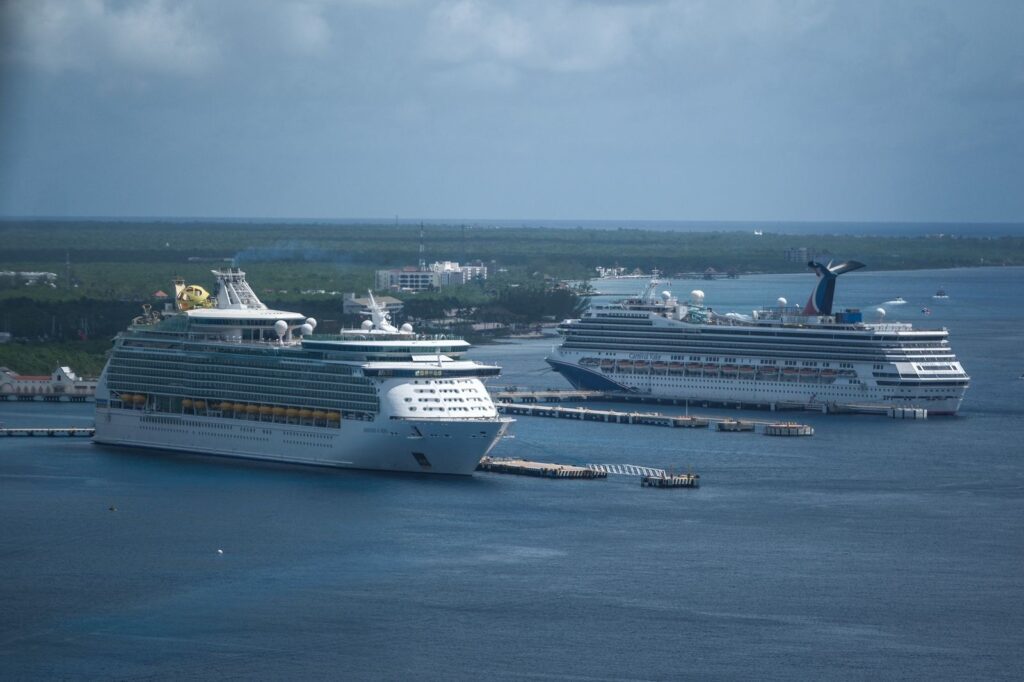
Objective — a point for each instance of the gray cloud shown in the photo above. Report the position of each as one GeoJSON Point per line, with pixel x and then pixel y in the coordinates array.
{"type": "Point", "coordinates": [760, 109]}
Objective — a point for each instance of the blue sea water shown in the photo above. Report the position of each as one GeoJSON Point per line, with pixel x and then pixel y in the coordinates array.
{"type": "Point", "coordinates": [876, 548]}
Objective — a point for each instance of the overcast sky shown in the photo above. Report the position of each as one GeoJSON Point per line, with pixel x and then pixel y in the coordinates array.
{"type": "Point", "coordinates": [563, 109]}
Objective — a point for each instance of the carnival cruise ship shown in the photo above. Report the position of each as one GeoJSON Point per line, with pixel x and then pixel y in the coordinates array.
{"type": "Point", "coordinates": [780, 356]}
{"type": "Point", "coordinates": [224, 375]}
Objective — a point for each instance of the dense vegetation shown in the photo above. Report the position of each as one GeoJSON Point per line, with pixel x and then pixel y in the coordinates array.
{"type": "Point", "coordinates": [116, 266]}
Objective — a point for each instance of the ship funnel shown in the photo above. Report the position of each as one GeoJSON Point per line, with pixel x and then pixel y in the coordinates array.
{"type": "Point", "coordinates": [820, 302]}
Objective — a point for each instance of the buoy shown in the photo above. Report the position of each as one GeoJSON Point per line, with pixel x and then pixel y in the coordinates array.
{"type": "Point", "coordinates": [220, 551]}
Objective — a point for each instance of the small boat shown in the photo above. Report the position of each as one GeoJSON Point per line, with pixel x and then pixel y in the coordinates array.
{"type": "Point", "coordinates": [941, 293]}
{"type": "Point", "coordinates": [746, 369]}
{"type": "Point", "coordinates": [899, 300]}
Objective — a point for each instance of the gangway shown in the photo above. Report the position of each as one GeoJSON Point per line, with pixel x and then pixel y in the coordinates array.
{"type": "Point", "coordinates": [628, 470]}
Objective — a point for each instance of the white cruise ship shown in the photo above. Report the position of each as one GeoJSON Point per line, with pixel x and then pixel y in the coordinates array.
{"type": "Point", "coordinates": [224, 375]}
{"type": "Point", "coordinates": [780, 356]}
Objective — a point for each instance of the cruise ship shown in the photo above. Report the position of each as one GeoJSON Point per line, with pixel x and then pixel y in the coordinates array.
{"type": "Point", "coordinates": [781, 356]}
{"type": "Point", "coordinates": [224, 375]}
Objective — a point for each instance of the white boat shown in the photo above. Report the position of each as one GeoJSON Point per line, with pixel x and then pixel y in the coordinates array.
{"type": "Point", "coordinates": [225, 375]}
{"type": "Point", "coordinates": [940, 294]}
{"type": "Point", "coordinates": [804, 357]}
{"type": "Point", "coordinates": [899, 300]}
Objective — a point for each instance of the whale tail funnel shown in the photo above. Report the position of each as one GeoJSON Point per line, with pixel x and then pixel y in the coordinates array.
{"type": "Point", "coordinates": [820, 302]}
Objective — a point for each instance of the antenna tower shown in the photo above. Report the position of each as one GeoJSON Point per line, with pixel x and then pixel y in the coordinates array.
{"type": "Point", "coordinates": [423, 260]}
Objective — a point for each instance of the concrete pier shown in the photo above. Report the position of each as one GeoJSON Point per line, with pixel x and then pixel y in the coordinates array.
{"type": "Point", "coordinates": [522, 467]}
{"type": "Point", "coordinates": [49, 431]}
{"type": "Point", "coordinates": [610, 416]}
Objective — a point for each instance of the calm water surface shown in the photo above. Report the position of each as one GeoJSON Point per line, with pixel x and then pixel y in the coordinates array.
{"type": "Point", "coordinates": [874, 549]}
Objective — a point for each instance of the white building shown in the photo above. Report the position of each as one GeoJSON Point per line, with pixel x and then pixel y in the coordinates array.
{"type": "Point", "coordinates": [63, 383]}
{"type": "Point", "coordinates": [438, 275]}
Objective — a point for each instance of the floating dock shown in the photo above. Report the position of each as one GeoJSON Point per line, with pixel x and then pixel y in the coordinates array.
{"type": "Point", "coordinates": [671, 481]}
{"type": "Point", "coordinates": [51, 432]}
{"type": "Point", "coordinates": [522, 467]}
{"type": "Point", "coordinates": [788, 429]}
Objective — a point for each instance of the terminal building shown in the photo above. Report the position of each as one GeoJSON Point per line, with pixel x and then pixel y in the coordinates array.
{"type": "Point", "coordinates": [62, 384]}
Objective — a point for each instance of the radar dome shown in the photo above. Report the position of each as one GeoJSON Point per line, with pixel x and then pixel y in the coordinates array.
{"type": "Point", "coordinates": [305, 329]}
{"type": "Point", "coordinates": [311, 321]}
{"type": "Point", "coordinates": [367, 325]}
{"type": "Point", "coordinates": [666, 295]}
{"type": "Point", "coordinates": [880, 312]}
{"type": "Point", "coordinates": [280, 328]}
{"type": "Point", "coordinates": [781, 300]}
{"type": "Point", "coordinates": [697, 296]}
{"type": "Point", "coordinates": [406, 328]}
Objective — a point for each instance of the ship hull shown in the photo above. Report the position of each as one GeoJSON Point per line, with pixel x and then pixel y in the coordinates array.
{"type": "Point", "coordinates": [398, 445]}
{"type": "Point", "coordinates": [758, 392]}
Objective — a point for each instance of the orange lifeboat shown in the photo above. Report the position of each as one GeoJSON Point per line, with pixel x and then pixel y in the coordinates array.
{"type": "Point", "coordinates": [305, 413]}
{"type": "Point", "coordinates": [333, 417]}
{"type": "Point", "coordinates": [292, 413]}
{"type": "Point", "coordinates": [251, 409]}
{"type": "Point", "coordinates": [187, 403]}
{"type": "Point", "coordinates": [138, 398]}
{"type": "Point", "coordinates": [199, 404]}
{"type": "Point", "coordinates": [319, 415]}
{"type": "Point", "coordinates": [280, 411]}
{"type": "Point", "coordinates": [239, 407]}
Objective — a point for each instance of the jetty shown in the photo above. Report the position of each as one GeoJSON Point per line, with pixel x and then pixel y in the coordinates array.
{"type": "Point", "coordinates": [609, 416]}
{"type": "Point", "coordinates": [523, 467]}
{"type": "Point", "coordinates": [734, 425]}
{"type": "Point", "coordinates": [69, 432]}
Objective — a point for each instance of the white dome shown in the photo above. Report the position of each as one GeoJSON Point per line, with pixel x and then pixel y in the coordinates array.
{"type": "Point", "coordinates": [697, 296]}
{"type": "Point", "coordinates": [407, 328]}
{"type": "Point", "coordinates": [666, 294]}
{"type": "Point", "coordinates": [305, 329]}
{"type": "Point", "coordinates": [280, 328]}
{"type": "Point", "coordinates": [880, 311]}
{"type": "Point", "coordinates": [311, 321]}
{"type": "Point", "coordinates": [781, 300]}
{"type": "Point", "coordinates": [367, 325]}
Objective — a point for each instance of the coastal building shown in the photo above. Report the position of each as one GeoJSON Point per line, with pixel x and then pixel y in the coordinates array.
{"type": "Point", "coordinates": [354, 305]}
{"type": "Point", "coordinates": [437, 276]}
{"type": "Point", "coordinates": [63, 382]}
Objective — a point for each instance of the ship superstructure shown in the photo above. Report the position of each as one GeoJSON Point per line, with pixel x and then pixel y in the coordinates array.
{"type": "Point", "coordinates": [779, 356]}
{"type": "Point", "coordinates": [225, 375]}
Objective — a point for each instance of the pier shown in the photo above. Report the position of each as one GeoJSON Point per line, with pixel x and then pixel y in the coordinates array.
{"type": "Point", "coordinates": [788, 429]}
{"type": "Point", "coordinates": [609, 416]}
{"type": "Point", "coordinates": [523, 467]}
{"type": "Point", "coordinates": [69, 432]}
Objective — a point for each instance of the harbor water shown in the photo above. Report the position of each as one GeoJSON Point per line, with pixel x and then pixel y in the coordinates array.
{"type": "Point", "coordinates": [877, 548]}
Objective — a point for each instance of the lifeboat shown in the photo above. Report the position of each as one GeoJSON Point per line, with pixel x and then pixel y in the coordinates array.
{"type": "Point", "coordinates": [319, 415]}
{"type": "Point", "coordinates": [607, 364]}
{"type": "Point", "coordinates": [187, 403]}
{"type": "Point", "coordinates": [746, 369]}
{"type": "Point", "coordinates": [305, 413]}
{"type": "Point", "coordinates": [225, 407]}
{"type": "Point", "coordinates": [266, 410]}
{"type": "Point", "coordinates": [239, 408]}
{"type": "Point", "coordinates": [660, 366]}
{"type": "Point", "coordinates": [126, 397]}
{"type": "Point", "coordinates": [625, 364]}
{"type": "Point", "coordinates": [675, 367]}
{"type": "Point", "coordinates": [728, 369]}
{"type": "Point", "coordinates": [280, 411]}
{"type": "Point", "coordinates": [790, 372]}
{"type": "Point", "coordinates": [251, 409]}
{"type": "Point", "coordinates": [641, 365]}
{"type": "Point", "coordinates": [710, 368]}
{"type": "Point", "coordinates": [138, 398]}
{"type": "Point", "coordinates": [767, 370]}
{"type": "Point", "coordinates": [828, 374]}
{"type": "Point", "coordinates": [694, 367]}
{"type": "Point", "coordinates": [334, 416]}
{"type": "Point", "coordinates": [292, 413]}
{"type": "Point", "coordinates": [589, 362]}
{"type": "Point", "coordinates": [808, 372]}
{"type": "Point", "coordinates": [199, 404]}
